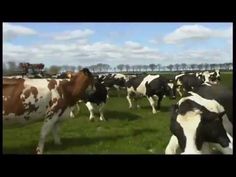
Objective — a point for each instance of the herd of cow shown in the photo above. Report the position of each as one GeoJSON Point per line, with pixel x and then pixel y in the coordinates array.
{"type": "Point", "coordinates": [200, 121]}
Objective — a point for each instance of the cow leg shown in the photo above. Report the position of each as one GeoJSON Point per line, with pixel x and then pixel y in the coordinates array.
{"type": "Point", "coordinates": [179, 92]}
{"type": "Point", "coordinates": [152, 103]}
{"type": "Point", "coordinates": [48, 125]}
{"type": "Point", "coordinates": [55, 134]}
{"type": "Point", "coordinates": [129, 100]}
{"type": "Point", "coordinates": [75, 111]}
{"type": "Point", "coordinates": [91, 111]}
{"type": "Point", "coordinates": [117, 89]}
{"type": "Point", "coordinates": [172, 145]}
{"type": "Point", "coordinates": [160, 97]}
{"type": "Point", "coordinates": [101, 111]}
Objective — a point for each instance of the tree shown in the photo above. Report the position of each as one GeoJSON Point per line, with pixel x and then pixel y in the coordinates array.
{"type": "Point", "coordinates": [212, 66]}
{"type": "Point", "coordinates": [177, 66]}
{"type": "Point", "coordinates": [152, 67]}
{"type": "Point", "coordinates": [158, 66]}
{"type": "Point", "coordinates": [12, 66]}
{"type": "Point", "coordinates": [72, 68]}
{"type": "Point", "coordinates": [79, 67]}
{"type": "Point", "coordinates": [170, 67]}
{"type": "Point", "coordinates": [133, 67]}
{"type": "Point", "coordinates": [193, 66]}
{"type": "Point", "coordinates": [54, 69]}
{"type": "Point", "coordinates": [184, 66]}
{"type": "Point", "coordinates": [139, 67]}
{"type": "Point", "coordinates": [206, 66]}
{"type": "Point", "coordinates": [120, 67]}
{"type": "Point", "coordinates": [127, 67]}
{"type": "Point", "coordinates": [229, 66]}
{"type": "Point", "coordinates": [106, 67]}
{"type": "Point", "coordinates": [222, 66]}
{"type": "Point", "coordinates": [92, 68]}
{"type": "Point", "coordinates": [145, 67]}
{"type": "Point", "coordinates": [200, 66]}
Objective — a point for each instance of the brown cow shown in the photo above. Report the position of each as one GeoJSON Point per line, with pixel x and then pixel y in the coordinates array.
{"type": "Point", "coordinates": [25, 100]}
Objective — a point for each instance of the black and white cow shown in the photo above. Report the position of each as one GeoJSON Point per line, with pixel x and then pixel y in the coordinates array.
{"type": "Point", "coordinates": [95, 102]}
{"type": "Point", "coordinates": [190, 81]}
{"type": "Point", "coordinates": [116, 81]}
{"type": "Point", "coordinates": [202, 119]}
{"type": "Point", "coordinates": [151, 86]}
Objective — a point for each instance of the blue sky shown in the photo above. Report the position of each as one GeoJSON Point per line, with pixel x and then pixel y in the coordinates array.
{"type": "Point", "coordinates": [117, 43]}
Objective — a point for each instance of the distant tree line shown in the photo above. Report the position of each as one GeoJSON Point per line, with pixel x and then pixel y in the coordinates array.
{"type": "Point", "coordinates": [13, 67]}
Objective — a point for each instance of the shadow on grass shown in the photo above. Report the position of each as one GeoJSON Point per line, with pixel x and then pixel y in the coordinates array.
{"type": "Point", "coordinates": [69, 142]}
{"type": "Point", "coordinates": [120, 115]}
{"type": "Point", "coordinates": [163, 108]}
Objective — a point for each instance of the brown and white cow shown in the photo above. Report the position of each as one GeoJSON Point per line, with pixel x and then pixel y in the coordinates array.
{"type": "Point", "coordinates": [26, 100]}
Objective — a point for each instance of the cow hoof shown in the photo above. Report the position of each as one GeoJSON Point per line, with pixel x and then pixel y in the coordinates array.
{"type": "Point", "coordinates": [72, 115]}
{"type": "Point", "coordinates": [38, 151]}
{"type": "Point", "coordinates": [102, 119]}
{"type": "Point", "coordinates": [92, 120]}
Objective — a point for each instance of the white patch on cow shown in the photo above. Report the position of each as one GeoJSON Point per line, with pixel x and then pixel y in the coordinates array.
{"type": "Point", "coordinates": [207, 84]}
{"type": "Point", "coordinates": [178, 82]}
{"type": "Point", "coordinates": [217, 72]}
{"type": "Point", "coordinates": [176, 77]}
{"type": "Point", "coordinates": [90, 107]}
{"type": "Point", "coordinates": [171, 85]}
{"type": "Point", "coordinates": [172, 145]}
{"type": "Point", "coordinates": [142, 88]}
{"type": "Point", "coordinates": [206, 75]}
{"type": "Point", "coordinates": [117, 87]}
{"type": "Point", "coordinates": [211, 105]}
{"type": "Point", "coordinates": [189, 122]}
{"type": "Point", "coordinates": [227, 124]}
{"type": "Point", "coordinates": [101, 107]}
{"type": "Point", "coordinates": [152, 103]}
{"type": "Point", "coordinates": [120, 76]}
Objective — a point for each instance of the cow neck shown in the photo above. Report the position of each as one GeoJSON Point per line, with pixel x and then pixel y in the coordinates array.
{"type": "Point", "coordinates": [74, 90]}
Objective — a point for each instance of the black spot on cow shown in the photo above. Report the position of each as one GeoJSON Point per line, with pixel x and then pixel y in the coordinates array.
{"type": "Point", "coordinates": [176, 128]}
{"type": "Point", "coordinates": [211, 129]}
{"type": "Point", "coordinates": [99, 96]}
{"type": "Point", "coordinates": [134, 82]}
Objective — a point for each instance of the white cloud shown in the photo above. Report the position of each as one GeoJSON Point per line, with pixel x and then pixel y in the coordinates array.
{"type": "Point", "coordinates": [190, 32]}
{"type": "Point", "coordinates": [76, 34]}
{"type": "Point", "coordinates": [203, 56]}
{"type": "Point", "coordinates": [11, 31]}
{"type": "Point", "coordinates": [73, 53]}
{"type": "Point", "coordinates": [133, 45]}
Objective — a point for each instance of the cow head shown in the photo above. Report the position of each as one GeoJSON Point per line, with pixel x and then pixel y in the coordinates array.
{"type": "Point", "coordinates": [171, 90]}
{"type": "Point", "coordinates": [215, 76]}
{"type": "Point", "coordinates": [211, 129]}
{"type": "Point", "coordinates": [83, 83]}
{"type": "Point", "coordinates": [193, 125]}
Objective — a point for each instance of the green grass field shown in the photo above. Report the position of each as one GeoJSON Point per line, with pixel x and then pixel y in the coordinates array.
{"type": "Point", "coordinates": [126, 131]}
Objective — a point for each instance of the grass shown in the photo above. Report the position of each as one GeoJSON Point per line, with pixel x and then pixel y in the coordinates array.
{"type": "Point", "coordinates": [135, 131]}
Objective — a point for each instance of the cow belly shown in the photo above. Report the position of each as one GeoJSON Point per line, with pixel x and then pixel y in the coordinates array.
{"type": "Point", "coordinates": [27, 108]}
{"type": "Point", "coordinates": [141, 89]}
